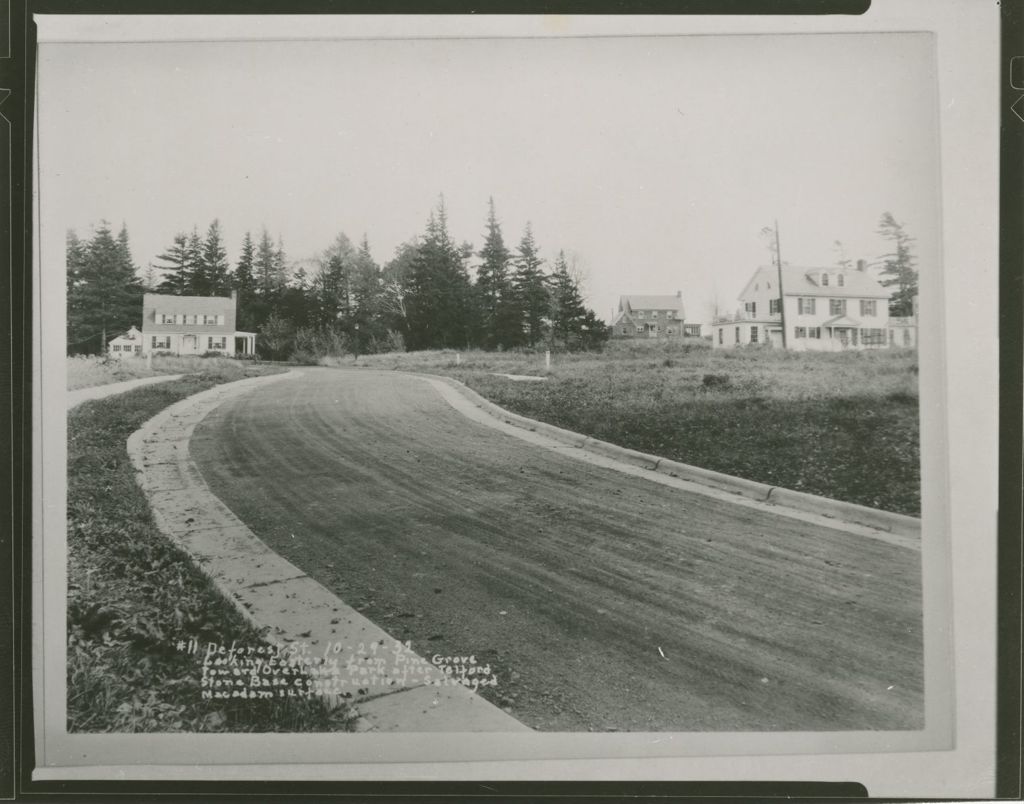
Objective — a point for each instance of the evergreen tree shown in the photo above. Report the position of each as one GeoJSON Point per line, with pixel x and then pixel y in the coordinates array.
{"type": "Point", "coordinates": [530, 289]}
{"type": "Point", "coordinates": [568, 313]}
{"type": "Point", "coordinates": [438, 299]}
{"type": "Point", "coordinates": [177, 268]}
{"type": "Point", "coordinates": [250, 312]}
{"type": "Point", "coordinates": [198, 283]}
{"type": "Point", "coordinates": [243, 276]}
{"type": "Point", "coordinates": [265, 267]}
{"type": "Point", "coordinates": [500, 316]}
{"type": "Point", "coordinates": [366, 322]}
{"type": "Point", "coordinates": [898, 266]}
{"type": "Point", "coordinates": [105, 294]}
{"type": "Point", "coordinates": [216, 281]}
{"type": "Point", "coordinates": [332, 284]}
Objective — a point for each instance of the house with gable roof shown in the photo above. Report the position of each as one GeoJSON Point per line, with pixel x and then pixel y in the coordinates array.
{"type": "Point", "coordinates": [827, 309]}
{"type": "Point", "coordinates": [193, 325]}
{"type": "Point", "coordinates": [652, 317]}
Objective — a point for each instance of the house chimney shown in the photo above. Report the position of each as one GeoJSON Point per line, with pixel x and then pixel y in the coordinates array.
{"type": "Point", "coordinates": [679, 294]}
{"type": "Point", "coordinates": [862, 266]}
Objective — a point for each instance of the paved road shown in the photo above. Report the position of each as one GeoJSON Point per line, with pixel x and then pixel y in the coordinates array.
{"type": "Point", "coordinates": [603, 601]}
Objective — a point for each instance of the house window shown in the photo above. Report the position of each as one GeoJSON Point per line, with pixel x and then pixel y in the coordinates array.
{"type": "Point", "coordinates": [753, 334]}
{"type": "Point", "coordinates": [639, 330]}
{"type": "Point", "coordinates": [751, 307]}
{"type": "Point", "coordinates": [814, 332]}
{"type": "Point", "coordinates": [837, 306]}
{"type": "Point", "coordinates": [164, 318]}
{"type": "Point", "coordinates": [670, 314]}
{"type": "Point", "coordinates": [161, 341]}
{"type": "Point", "coordinates": [625, 330]}
{"type": "Point", "coordinates": [873, 337]}
{"type": "Point", "coordinates": [800, 332]}
{"type": "Point", "coordinates": [138, 349]}
{"type": "Point", "coordinates": [192, 319]}
{"type": "Point", "coordinates": [639, 313]}
{"type": "Point", "coordinates": [824, 280]}
{"type": "Point", "coordinates": [670, 331]}
{"type": "Point", "coordinates": [721, 336]}
{"type": "Point", "coordinates": [842, 280]}
{"type": "Point", "coordinates": [805, 306]}
{"type": "Point", "coordinates": [774, 305]}
{"type": "Point", "coordinates": [215, 343]}
{"type": "Point", "coordinates": [906, 337]}
{"type": "Point", "coordinates": [868, 307]}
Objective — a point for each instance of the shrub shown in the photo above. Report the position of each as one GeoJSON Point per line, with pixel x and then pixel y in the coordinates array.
{"type": "Point", "coordinates": [716, 382]}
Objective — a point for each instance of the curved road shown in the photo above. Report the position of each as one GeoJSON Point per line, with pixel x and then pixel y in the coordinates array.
{"type": "Point", "coordinates": [601, 600]}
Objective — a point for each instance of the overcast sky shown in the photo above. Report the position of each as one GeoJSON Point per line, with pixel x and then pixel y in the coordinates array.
{"type": "Point", "coordinates": [655, 161]}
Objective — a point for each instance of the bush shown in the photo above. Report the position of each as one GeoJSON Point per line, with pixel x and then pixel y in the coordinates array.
{"type": "Point", "coordinates": [716, 382]}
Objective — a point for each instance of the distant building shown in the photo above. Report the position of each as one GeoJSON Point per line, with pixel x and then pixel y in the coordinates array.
{"type": "Point", "coordinates": [652, 317]}
{"type": "Point", "coordinates": [127, 344]}
{"type": "Point", "coordinates": [827, 309]}
{"type": "Point", "coordinates": [193, 325]}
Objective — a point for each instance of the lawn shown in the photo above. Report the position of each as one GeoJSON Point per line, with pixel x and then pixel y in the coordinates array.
{"type": "Point", "coordinates": [132, 594]}
{"type": "Point", "coordinates": [842, 425]}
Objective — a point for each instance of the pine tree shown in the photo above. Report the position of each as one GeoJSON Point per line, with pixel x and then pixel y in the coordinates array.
{"type": "Point", "coordinates": [530, 290]}
{"type": "Point", "coordinates": [438, 301]}
{"type": "Point", "coordinates": [265, 266]}
{"type": "Point", "coordinates": [500, 317]}
{"type": "Point", "coordinates": [243, 276]}
{"type": "Point", "coordinates": [568, 313]}
{"type": "Point", "coordinates": [898, 266]}
{"type": "Point", "coordinates": [105, 296]}
{"type": "Point", "coordinates": [215, 263]}
{"type": "Point", "coordinates": [198, 283]}
{"type": "Point", "coordinates": [177, 267]}
{"type": "Point", "coordinates": [332, 284]}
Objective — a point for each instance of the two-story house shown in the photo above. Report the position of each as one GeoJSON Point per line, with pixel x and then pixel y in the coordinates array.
{"type": "Point", "coordinates": [193, 325]}
{"type": "Point", "coordinates": [825, 309]}
{"type": "Point", "coordinates": [652, 317]}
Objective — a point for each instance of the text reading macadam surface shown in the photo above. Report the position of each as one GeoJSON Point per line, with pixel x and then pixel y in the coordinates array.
{"type": "Point", "coordinates": [337, 670]}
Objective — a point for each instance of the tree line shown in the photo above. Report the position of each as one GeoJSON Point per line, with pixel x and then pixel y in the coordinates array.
{"type": "Point", "coordinates": [429, 295]}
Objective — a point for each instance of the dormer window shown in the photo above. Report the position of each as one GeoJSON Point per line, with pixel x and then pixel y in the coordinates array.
{"type": "Point", "coordinates": [824, 280]}
{"type": "Point", "coordinates": [842, 280]}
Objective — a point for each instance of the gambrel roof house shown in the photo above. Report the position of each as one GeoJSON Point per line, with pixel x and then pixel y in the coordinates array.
{"type": "Point", "coordinates": [651, 317]}
{"type": "Point", "coordinates": [826, 308]}
{"type": "Point", "coordinates": [193, 325]}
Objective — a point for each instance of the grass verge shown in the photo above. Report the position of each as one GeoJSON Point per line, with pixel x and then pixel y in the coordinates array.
{"type": "Point", "coordinates": [132, 594]}
{"type": "Point", "coordinates": [840, 425]}
{"type": "Point", "coordinates": [87, 371]}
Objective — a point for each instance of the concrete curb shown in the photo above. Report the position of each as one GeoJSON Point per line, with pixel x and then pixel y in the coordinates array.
{"type": "Point", "coordinates": [80, 395]}
{"type": "Point", "coordinates": [898, 524]}
{"type": "Point", "coordinates": [390, 687]}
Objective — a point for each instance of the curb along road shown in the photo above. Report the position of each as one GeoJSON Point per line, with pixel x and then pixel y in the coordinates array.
{"type": "Point", "coordinates": [391, 688]}
{"type": "Point", "coordinates": [897, 524]}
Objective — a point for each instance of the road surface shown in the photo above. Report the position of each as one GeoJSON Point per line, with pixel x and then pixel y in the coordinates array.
{"type": "Point", "coordinates": [601, 600]}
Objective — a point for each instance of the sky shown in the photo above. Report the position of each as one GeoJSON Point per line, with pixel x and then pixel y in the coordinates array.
{"type": "Point", "coordinates": [654, 162]}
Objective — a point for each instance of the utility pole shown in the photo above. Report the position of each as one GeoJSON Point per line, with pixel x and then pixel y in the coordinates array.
{"type": "Point", "coordinates": [782, 297]}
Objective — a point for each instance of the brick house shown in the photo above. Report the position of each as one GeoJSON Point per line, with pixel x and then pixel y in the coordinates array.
{"type": "Point", "coordinates": [827, 309]}
{"type": "Point", "coordinates": [193, 325]}
{"type": "Point", "coordinates": [652, 317]}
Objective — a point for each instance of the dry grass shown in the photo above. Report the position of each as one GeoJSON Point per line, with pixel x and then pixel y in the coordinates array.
{"type": "Point", "coordinates": [87, 371]}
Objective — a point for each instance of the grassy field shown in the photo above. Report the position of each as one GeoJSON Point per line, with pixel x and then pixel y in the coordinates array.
{"type": "Point", "coordinates": [842, 425]}
{"type": "Point", "coordinates": [86, 371]}
{"type": "Point", "coordinates": [132, 594]}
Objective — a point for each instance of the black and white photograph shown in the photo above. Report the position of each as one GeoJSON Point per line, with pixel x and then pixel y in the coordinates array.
{"type": "Point", "coordinates": [576, 396]}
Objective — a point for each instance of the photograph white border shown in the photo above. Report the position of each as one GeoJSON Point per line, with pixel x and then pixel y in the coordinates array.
{"type": "Point", "coordinates": [962, 487]}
